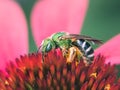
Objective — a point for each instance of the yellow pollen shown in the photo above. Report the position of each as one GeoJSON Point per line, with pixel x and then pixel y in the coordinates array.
{"type": "Point", "coordinates": [94, 75]}
{"type": "Point", "coordinates": [107, 87]}
{"type": "Point", "coordinates": [6, 83]}
{"type": "Point", "coordinates": [76, 63]}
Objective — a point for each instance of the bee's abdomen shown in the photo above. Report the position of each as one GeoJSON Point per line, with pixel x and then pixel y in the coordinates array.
{"type": "Point", "coordinates": [85, 47]}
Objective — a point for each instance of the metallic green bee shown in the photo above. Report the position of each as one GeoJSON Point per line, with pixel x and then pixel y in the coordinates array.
{"type": "Point", "coordinates": [73, 46]}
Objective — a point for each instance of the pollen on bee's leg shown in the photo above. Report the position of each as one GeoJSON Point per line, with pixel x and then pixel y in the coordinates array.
{"type": "Point", "coordinates": [71, 54]}
{"type": "Point", "coordinates": [68, 61]}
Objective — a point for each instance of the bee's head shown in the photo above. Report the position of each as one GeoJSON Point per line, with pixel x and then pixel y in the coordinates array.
{"type": "Point", "coordinates": [47, 45]}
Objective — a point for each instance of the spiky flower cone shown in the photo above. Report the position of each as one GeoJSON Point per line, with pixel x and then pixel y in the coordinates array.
{"type": "Point", "coordinates": [30, 73]}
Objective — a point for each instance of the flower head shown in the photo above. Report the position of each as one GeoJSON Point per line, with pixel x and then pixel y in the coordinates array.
{"type": "Point", "coordinates": [54, 73]}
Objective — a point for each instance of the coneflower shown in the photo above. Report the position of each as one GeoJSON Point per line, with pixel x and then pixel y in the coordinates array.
{"type": "Point", "coordinates": [51, 72]}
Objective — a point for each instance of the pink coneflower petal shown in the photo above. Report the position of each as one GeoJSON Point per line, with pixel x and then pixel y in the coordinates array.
{"type": "Point", "coordinates": [50, 16]}
{"type": "Point", "coordinates": [113, 60]}
{"type": "Point", "coordinates": [111, 50]}
{"type": "Point", "coordinates": [13, 32]}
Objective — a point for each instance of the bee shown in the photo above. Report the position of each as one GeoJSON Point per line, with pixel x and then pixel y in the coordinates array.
{"type": "Point", "coordinates": [73, 46]}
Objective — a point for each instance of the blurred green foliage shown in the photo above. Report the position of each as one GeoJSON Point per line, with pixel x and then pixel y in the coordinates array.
{"type": "Point", "coordinates": [27, 6]}
{"type": "Point", "coordinates": [102, 19]}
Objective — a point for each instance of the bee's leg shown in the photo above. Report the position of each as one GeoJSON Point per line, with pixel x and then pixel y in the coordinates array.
{"type": "Point", "coordinates": [87, 61]}
{"type": "Point", "coordinates": [65, 52]}
{"type": "Point", "coordinates": [79, 55]}
{"type": "Point", "coordinates": [71, 54]}
{"type": "Point", "coordinates": [39, 49]}
{"type": "Point", "coordinates": [43, 54]}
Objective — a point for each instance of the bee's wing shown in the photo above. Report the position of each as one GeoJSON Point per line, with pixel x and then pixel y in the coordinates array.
{"type": "Point", "coordinates": [77, 36]}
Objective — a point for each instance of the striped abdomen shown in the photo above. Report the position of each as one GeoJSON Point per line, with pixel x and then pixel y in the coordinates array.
{"type": "Point", "coordinates": [85, 47]}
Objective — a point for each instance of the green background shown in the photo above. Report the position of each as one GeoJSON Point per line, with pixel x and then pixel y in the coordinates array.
{"type": "Point", "coordinates": [102, 20]}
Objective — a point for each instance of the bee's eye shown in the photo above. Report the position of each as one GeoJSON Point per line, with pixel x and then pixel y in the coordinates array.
{"type": "Point", "coordinates": [48, 47]}
{"type": "Point", "coordinates": [60, 38]}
